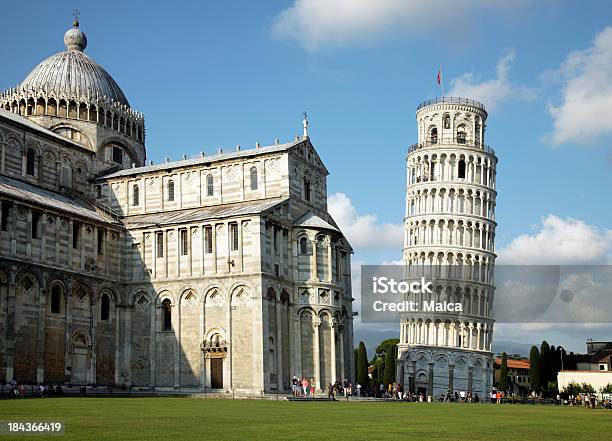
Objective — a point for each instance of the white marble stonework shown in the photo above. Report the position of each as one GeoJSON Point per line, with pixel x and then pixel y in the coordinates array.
{"type": "Point", "coordinates": [223, 271]}
{"type": "Point", "coordinates": [450, 228]}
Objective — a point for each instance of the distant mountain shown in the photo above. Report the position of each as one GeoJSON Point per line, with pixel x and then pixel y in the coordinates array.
{"type": "Point", "coordinates": [512, 347]}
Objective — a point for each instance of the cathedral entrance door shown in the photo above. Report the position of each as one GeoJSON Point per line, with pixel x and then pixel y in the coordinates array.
{"type": "Point", "coordinates": [79, 366]}
{"type": "Point", "coordinates": [216, 373]}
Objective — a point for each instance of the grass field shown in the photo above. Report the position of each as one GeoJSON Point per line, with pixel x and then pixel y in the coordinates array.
{"type": "Point", "coordinates": [186, 418]}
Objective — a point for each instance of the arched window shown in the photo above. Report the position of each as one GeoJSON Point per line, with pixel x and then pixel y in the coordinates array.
{"type": "Point", "coordinates": [56, 300]}
{"type": "Point", "coordinates": [447, 121]}
{"type": "Point", "coordinates": [105, 307]}
{"type": "Point", "coordinates": [253, 178]}
{"type": "Point", "coordinates": [135, 195]}
{"type": "Point", "coordinates": [210, 186]}
{"type": "Point", "coordinates": [461, 169]}
{"type": "Point", "coordinates": [171, 190]}
{"type": "Point", "coordinates": [307, 194]}
{"type": "Point", "coordinates": [166, 315]}
{"type": "Point", "coordinates": [30, 162]}
{"type": "Point", "coordinates": [303, 245]}
{"type": "Point", "coordinates": [433, 135]}
{"type": "Point", "coordinates": [461, 138]}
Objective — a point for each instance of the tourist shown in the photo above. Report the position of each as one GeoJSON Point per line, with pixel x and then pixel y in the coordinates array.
{"type": "Point", "coordinates": [462, 396]}
{"type": "Point", "coordinates": [358, 389]}
{"type": "Point", "coordinates": [330, 392]}
{"type": "Point", "coordinates": [399, 390]}
{"type": "Point", "coordinates": [312, 387]}
{"type": "Point", "coordinates": [476, 398]}
{"type": "Point", "coordinates": [304, 386]}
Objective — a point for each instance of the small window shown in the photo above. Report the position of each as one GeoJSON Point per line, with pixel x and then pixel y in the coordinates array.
{"type": "Point", "coordinates": [253, 178]}
{"type": "Point", "coordinates": [447, 121]}
{"type": "Point", "coordinates": [98, 191]}
{"type": "Point", "coordinates": [171, 190]}
{"type": "Point", "coordinates": [461, 169]}
{"type": "Point", "coordinates": [105, 307]}
{"type": "Point", "coordinates": [433, 135]}
{"type": "Point", "coordinates": [135, 195]}
{"type": "Point", "coordinates": [461, 137]}
{"type": "Point", "coordinates": [307, 194]}
{"type": "Point", "coordinates": [234, 236]}
{"type": "Point", "coordinates": [101, 240]}
{"type": "Point", "coordinates": [209, 239]}
{"type": "Point", "coordinates": [166, 315]}
{"type": "Point", "coordinates": [117, 155]}
{"type": "Point", "coordinates": [303, 245]}
{"type": "Point", "coordinates": [275, 239]}
{"type": "Point", "coordinates": [56, 299]}
{"type": "Point", "coordinates": [36, 224]}
{"type": "Point", "coordinates": [76, 234]}
{"type": "Point", "coordinates": [30, 160]}
{"type": "Point", "coordinates": [210, 187]}
{"type": "Point", "coordinates": [159, 238]}
{"type": "Point", "coordinates": [276, 269]}
{"type": "Point", "coordinates": [6, 205]}
{"type": "Point", "coordinates": [184, 242]}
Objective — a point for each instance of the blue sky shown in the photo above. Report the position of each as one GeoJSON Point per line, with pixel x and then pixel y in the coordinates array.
{"type": "Point", "coordinates": [217, 74]}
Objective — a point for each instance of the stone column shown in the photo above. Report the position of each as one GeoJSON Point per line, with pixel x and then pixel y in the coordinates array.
{"type": "Point", "coordinates": [40, 359]}
{"type": "Point", "coordinates": [314, 274]}
{"type": "Point", "coordinates": [330, 268]}
{"type": "Point", "coordinates": [10, 326]}
{"type": "Point", "coordinates": [332, 330]}
{"type": "Point", "coordinates": [279, 347]}
{"type": "Point", "coordinates": [470, 376]}
{"type": "Point", "coordinates": [68, 331]}
{"type": "Point", "coordinates": [297, 347]}
{"type": "Point", "coordinates": [317, 359]}
{"type": "Point", "coordinates": [431, 379]}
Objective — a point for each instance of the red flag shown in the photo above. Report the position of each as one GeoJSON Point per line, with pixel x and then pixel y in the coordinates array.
{"type": "Point", "coordinates": [440, 76]}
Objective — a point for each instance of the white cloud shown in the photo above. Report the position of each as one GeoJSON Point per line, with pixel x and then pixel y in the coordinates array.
{"type": "Point", "coordinates": [363, 231]}
{"type": "Point", "coordinates": [559, 241]}
{"type": "Point", "coordinates": [586, 76]}
{"type": "Point", "coordinates": [493, 91]}
{"type": "Point", "coordinates": [324, 23]}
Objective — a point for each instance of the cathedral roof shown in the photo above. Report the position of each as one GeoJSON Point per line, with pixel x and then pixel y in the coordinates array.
{"type": "Point", "coordinates": [72, 73]}
{"type": "Point", "coordinates": [202, 160]}
{"type": "Point", "coordinates": [203, 213]}
{"type": "Point", "coordinates": [30, 193]}
{"type": "Point", "coordinates": [310, 220]}
{"type": "Point", "coordinates": [33, 127]}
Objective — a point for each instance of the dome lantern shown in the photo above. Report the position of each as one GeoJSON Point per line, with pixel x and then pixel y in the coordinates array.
{"type": "Point", "coordinates": [75, 39]}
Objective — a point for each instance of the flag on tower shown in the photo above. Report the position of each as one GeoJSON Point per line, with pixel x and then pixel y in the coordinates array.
{"type": "Point", "coordinates": [440, 80]}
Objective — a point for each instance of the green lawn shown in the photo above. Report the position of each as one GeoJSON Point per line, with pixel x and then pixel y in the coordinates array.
{"type": "Point", "coordinates": [187, 418]}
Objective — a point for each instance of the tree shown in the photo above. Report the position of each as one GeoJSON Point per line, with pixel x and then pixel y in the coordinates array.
{"type": "Point", "coordinates": [362, 366]}
{"type": "Point", "coordinates": [607, 389]}
{"type": "Point", "coordinates": [386, 345]}
{"type": "Point", "coordinates": [389, 376]}
{"type": "Point", "coordinates": [503, 373]}
{"type": "Point", "coordinates": [534, 369]}
{"type": "Point", "coordinates": [355, 368]}
{"type": "Point", "coordinates": [545, 368]}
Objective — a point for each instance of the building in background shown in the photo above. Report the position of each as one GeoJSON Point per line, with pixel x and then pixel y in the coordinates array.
{"type": "Point", "coordinates": [223, 271]}
{"type": "Point", "coordinates": [449, 238]}
{"type": "Point", "coordinates": [518, 375]}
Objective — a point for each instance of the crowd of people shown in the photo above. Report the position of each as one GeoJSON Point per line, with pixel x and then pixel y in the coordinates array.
{"type": "Point", "coordinates": [16, 390]}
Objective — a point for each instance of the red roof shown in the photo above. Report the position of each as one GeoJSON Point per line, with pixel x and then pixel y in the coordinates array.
{"type": "Point", "coordinates": [513, 364]}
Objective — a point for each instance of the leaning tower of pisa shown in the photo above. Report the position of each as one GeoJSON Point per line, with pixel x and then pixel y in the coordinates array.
{"type": "Point", "coordinates": [449, 237]}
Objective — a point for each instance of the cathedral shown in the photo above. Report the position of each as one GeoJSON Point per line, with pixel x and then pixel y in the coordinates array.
{"type": "Point", "coordinates": [222, 271]}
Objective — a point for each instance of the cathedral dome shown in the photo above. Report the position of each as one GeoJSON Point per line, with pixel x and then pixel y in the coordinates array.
{"type": "Point", "coordinates": [72, 73]}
